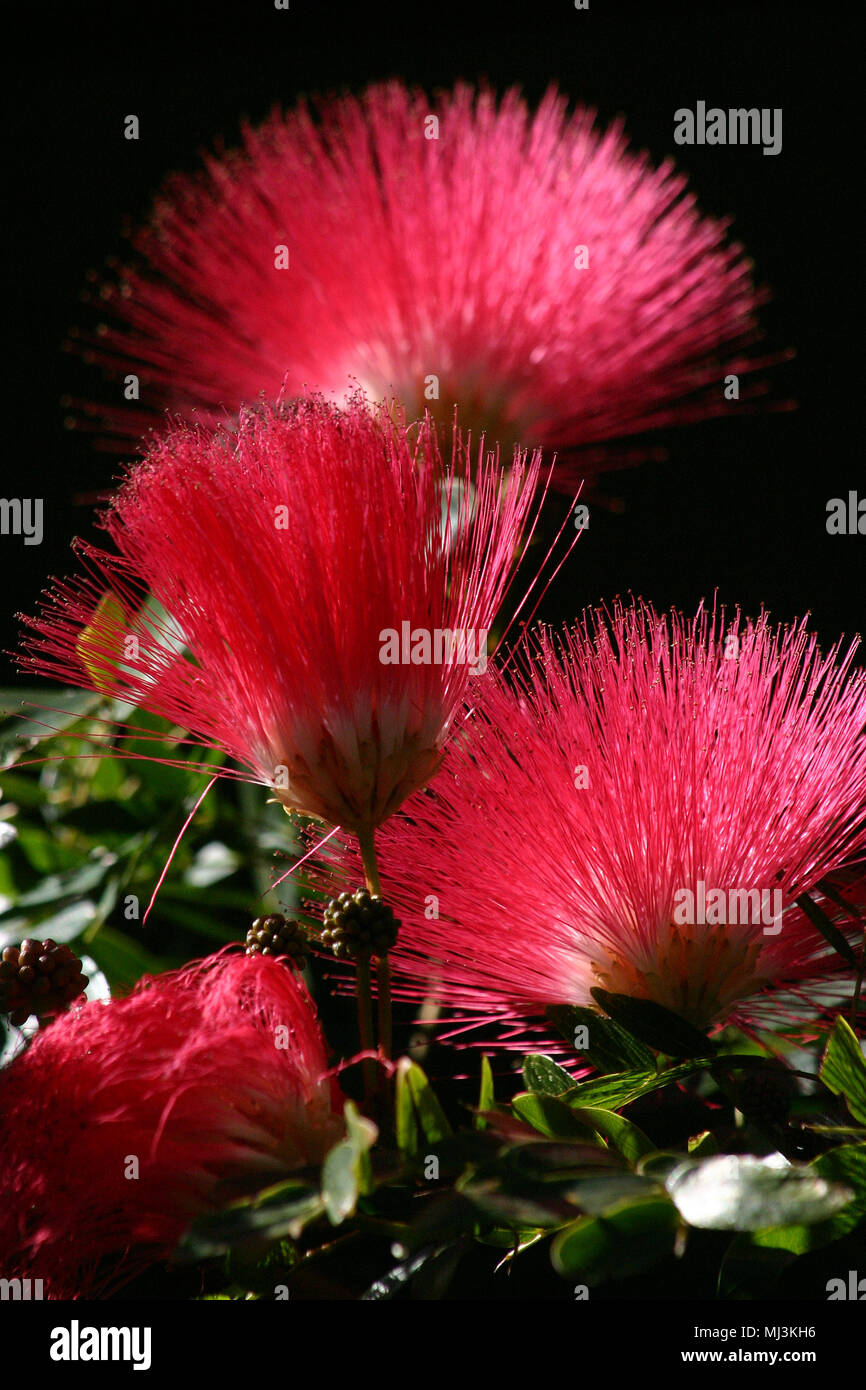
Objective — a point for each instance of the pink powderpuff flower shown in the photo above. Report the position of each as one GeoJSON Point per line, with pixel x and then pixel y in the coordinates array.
{"type": "Point", "coordinates": [559, 288]}
{"type": "Point", "coordinates": [565, 842]}
{"type": "Point", "coordinates": [124, 1122]}
{"type": "Point", "coordinates": [311, 566]}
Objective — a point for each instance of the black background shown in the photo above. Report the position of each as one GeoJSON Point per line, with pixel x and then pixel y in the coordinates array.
{"type": "Point", "coordinates": [738, 505]}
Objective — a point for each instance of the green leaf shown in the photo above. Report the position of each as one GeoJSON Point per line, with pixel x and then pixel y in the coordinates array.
{"type": "Point", "coordinates": [518, 1210]}
{"type": "Point", "coordinates": [63, 926]}
{"type": "Point", "coordinates": [267, 1218]}
{"type": "Point", "coordinates": [99, 648]}
{"type": "Point", "coordinates": [340, 1182]}
{"type": "Point", "coordinates": [826, 927]}
{"type": "Point", "coordinates": [45, 853]}
{"type": "Point", "coordinates": [107, 780]}
{"type": "Point", "coordinates": [346, 1169]}
{"type": "Point", "coordinates": [658, 1165]}
{"type": "Point", "coordinates": [627, 1239]}
{"type": "Point", "coordinates": [406, 1121]}
{"type": "Point", "coordinates": [597, 1194]}
{"type": "Point", "coordinates": [416, 1097]}
{"type": "Point", "coordinates": [631, 1142]}
{"type": "Point", "coordinates": [608, 1046]}
{"type": "Point", "coordinates": [211, 925]}
{"type": "Point", "coordinates": [24, 790]}
{"type": "Point", "coordinates": [56, 708]}
{"type": "Point", "coordinates": [740, 1193]}
{"type": "Point", "coordinates": [212, 863]}
{"type": "Point", "coordinates": [550, 1161]}
{"type": "Point", "coordinates": [542, 1074]}
{"type": "Point", "coordinates": [123, 960]}
{"type": "Point", "coordinates": [549, 1116]}
{"type": "Point", "coordinates": [845, 1165]}
{"type": "Point", "coordinates": [486, 1094]}
{"type": "Point", "coordinates": [612, 1092]}
{"type": "Point", "coordinates": [165, 784]}
{"type": "Point", "coordinates": [703, 1145]}
{"type": "Point", "coordinates": [652, 1024]}
{"type": "Point", "coordinates": [843, 1069]}
{"type": "Point", "coordinates": [68, 885]}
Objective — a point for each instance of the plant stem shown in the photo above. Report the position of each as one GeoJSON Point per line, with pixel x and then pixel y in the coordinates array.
{"type": "Point", "coordinates": [368, 858]}
{"type": "Point", "coordinates": [383, 973]}
{"type": "Point", "coordinates": [365, 1025]}
{"type": "Point", "coordinates": [383, 979]}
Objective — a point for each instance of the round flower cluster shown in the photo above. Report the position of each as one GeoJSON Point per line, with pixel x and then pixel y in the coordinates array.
{"type": "Point", "coordinates": [359, 925]}
{"type": "Point", "coordinates": [275, 935]}
{"type": "Point", "coordinates": [39, 977]}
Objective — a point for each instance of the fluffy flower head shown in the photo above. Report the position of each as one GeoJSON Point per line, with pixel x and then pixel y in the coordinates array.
{"type": "Point", "coordinates": [528, 266]}
{"type": "Point", "coordinates": [211, 1079]}
{"type": "Point", "coordinates": [299, 560]}
{"type": "Point", "coordinates": [639, 812]}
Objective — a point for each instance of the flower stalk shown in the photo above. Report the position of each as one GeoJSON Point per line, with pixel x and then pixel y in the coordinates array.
{"type": "Point", "coordinates": [383, 968]}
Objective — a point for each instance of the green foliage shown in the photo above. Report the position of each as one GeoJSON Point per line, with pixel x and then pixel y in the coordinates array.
{"type": "Point", "coordinates": [400, 1206]}
{"type": "Point", "coordinates": [90, 823]}
{"type": "Point", "coordinates": [730, 1192]}
{"type": "Point", "coordinates": [545, 1076]}
{"type": "Point", "coordinates": [654, 1025]}
{"type": "Point", "coordinates": [346, 1169]}
{"type": "Point", "coordinates": [827, 928]}
{"type": "Point", "coordinates": [843, 1069]}
{"type": "Point", "coordinates": [628, 1238]}
{"type": "Point", "coordinates": [420, 1119]}
{"type": "Point", "coordinates": [549, 1116]}
{"type": "Point", "coordinates": [609, 1047]}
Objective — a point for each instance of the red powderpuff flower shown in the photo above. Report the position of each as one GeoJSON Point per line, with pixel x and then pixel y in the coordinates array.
{"type": "Point", "coordinates": [209, 1082]}
{"type": "Point", "coordinates": [559, 288]}
{"type": "Point", "coordinates": [565, 842]}
{"type": "Point", "coordinates": [316, 567]}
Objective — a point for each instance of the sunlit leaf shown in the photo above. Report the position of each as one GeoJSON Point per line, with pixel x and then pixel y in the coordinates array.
{"type": "Point", "coordinates": [415, 1091]}
{"type": "Point", "coordinates": [542, 1074]}
{"type": "Point", "coordinates": [612, 1092]}
{"type": "Point", "coordinates": [609, 1047]}
{"type": "Point", "coordinates": [99, 647]}
{"type": "Point", "coordinates": [843, 1069]}
{"type": "Point", "coordinates": [731, 1192]}
{"type": "Point", "coordinates": [631, 1142]}
{"type": "Point", "coordinates": [549, 1116]}
{"type": "Point", "coordinates": [486, 1095]}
